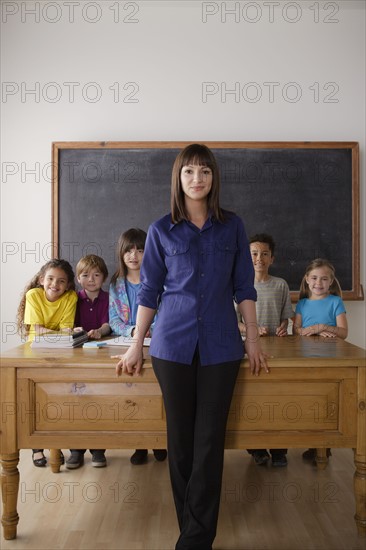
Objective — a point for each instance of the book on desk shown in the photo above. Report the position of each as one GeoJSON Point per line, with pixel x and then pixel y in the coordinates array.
{"type": "Point", "coordinates": [60, 339]}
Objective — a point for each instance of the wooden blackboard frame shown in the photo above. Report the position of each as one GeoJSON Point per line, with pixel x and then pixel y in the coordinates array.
{"type": "Point", "coordinates": [355, 293]}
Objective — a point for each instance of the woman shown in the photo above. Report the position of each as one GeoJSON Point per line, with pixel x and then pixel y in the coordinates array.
{"type": "Point", "coordinates": [196, 259]}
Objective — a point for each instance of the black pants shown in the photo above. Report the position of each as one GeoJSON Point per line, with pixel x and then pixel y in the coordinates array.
{"type": "Point", "coordinates": [197, 401]}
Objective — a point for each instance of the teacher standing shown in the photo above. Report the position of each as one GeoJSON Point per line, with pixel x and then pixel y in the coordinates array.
{"type": "Point", "coordinates": [196, 261]}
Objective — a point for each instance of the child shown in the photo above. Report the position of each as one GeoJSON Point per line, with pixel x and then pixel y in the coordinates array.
{"type": "Point", "coordinates": [320, 310]}
{"type": "Point", "coordinates": [123, 290]}
{"type": "Point", "coordinates": [48, 305]}
{"type": "Point", "coordinates": [92, 316]}
{"type": "Point", "coordinates": [274, 309]}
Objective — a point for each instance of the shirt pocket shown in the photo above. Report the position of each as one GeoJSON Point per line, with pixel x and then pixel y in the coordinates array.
{"type": "Point", "coordinates": [178, 260]}
{"type": "Point", "coordinates": [225, 253]}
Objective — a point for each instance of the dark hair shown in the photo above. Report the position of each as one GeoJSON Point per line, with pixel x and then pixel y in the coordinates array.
{"type": "Point", "coordinates": [335, 287]}
{"type": "Point", "coordinates": [129, 239]}
{"type": "Point", "coordinates": [35, 283]}
{"type": "Point", "coordinates": [199, 155]}
{"type": "Point", "coordinates": [91, 261]}
{"type": "Point", "coordinates": [263, 238]}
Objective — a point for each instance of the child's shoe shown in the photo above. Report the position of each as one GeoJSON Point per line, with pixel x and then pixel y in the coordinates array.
{"type": "Point", "coordinates": [310, 454]}
{"type": "Point", "coordinates": [98, 459]}
{"type": "Point", "coordinates": [260, 456]}
{"type": "Point", "coordinates": [279, 459]}
{"type": "Point", "coordinates": [139, 457]}
{"type": "Point", "coordinates": [160, 454]}
{"type": "Point", "coordinates": [75, 460]}
{"type": "Point", "coordinates": [39, 462]}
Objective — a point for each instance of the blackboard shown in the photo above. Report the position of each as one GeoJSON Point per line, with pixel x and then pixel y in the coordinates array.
{"type": "Point", "coordinates": [305, 194]}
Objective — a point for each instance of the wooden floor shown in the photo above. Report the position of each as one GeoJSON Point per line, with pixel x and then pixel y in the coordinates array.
{"type": "Point", "coordinates": [125, 507]}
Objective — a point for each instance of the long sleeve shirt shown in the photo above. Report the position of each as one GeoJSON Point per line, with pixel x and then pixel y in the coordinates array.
{"type": "Point", "coordinates": [121, 316]}
{"type": "Point", "coordinates": [119, 309]}
{"type": "Point", "coordinates": [193, 275]}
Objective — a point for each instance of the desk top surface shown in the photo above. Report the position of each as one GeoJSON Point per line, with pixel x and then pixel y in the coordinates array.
{"type": "Point", "coordinates": [287, 351]}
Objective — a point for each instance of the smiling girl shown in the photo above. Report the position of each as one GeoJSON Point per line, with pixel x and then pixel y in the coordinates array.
{"type": "Point", "coordinates": [49, 300]}
{"type": "Point", "coordinates": [48, 305]}
{"type": "Point", "coordinates": [123, 290]}
{"type": "Point", "coordinates": [125, 282]}
{"type": "Point", "coordinates": [320, 310]}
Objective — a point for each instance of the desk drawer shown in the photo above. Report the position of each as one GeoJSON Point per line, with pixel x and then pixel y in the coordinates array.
{"type": "Point", "coordinates": [292, 405]}
{"type": "Point", "coordinates": [90, 406]}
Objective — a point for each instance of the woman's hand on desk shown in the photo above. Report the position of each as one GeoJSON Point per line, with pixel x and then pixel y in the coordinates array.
{"type": "Point", "coordinates": [257, 358]}
{"type": "Point", "coordinates": [130, 363]}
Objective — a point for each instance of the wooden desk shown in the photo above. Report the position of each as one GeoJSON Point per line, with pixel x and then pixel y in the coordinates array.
{"type": "Point", "coordinates": [315, 396]}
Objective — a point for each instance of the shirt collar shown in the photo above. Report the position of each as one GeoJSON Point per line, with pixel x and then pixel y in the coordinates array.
{"type": "Point", "coordinates": [208, 223]}
{"type": "Point", "coordinates": [83, 295]}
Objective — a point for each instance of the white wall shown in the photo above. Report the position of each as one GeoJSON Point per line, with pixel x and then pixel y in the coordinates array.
{"type": "Point", "coordinates": [167, 49]}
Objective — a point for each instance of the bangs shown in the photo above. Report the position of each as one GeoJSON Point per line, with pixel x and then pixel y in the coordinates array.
{"type": "Point", "coordinates": [197, 155]}
{"type": "Point", "coordinates": [133, 238]}
{"type": "Point", "coordinates": [89, 262]}
{"type": "Point", "coordinates": [139, 244]}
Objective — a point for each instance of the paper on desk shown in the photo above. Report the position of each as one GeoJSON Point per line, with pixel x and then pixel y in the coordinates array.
{"type": "Point", "coordinates": [124, 341]}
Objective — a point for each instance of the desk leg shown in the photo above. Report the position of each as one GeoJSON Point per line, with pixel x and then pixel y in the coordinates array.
{"type": "Point", "coordinates": [55, 460]}
{"type": "Point", "coordinates": [321, 458]}
{"type": "Point", "coordinates": [359, 480]}
{"type": "Point", "coordinates": [9, 492]}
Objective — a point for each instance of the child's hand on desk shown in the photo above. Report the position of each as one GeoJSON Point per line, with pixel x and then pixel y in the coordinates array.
{"type": "Point", "coordinates": [321, 330]}
{"type": "Point", "coordinates": [282, 329]}
{"type": "Point", "coordinates": [263, 331]}
{"type": "Point", "coordinates": [95, 333]}
{"type": "Point", "coordinates": [130, 363]}
{"type": "Point", "coordinates": [328, 333]}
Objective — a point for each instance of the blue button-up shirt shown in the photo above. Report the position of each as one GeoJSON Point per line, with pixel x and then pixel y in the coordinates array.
{"type": "Point", "coordinates": [193, 275]}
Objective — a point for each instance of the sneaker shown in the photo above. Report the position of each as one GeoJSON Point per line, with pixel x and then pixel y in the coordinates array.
{"type": "Point", "coordinates": [139, 457]}
{"type": "Point", "coordinates": [279, 460]}
{"type": "Point", "coordinates": [260, 456]}
{"type": "Point", "coordinates": [98, 459]}
{"type": "Point", "coordinates": [160, 454]}
{"type": "Point", "coordinates": [75, 460]}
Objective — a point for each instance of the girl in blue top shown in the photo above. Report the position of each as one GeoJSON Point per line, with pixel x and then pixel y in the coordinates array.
{"type": "Point", "coordinates": [196, 259]}
{"type": "Point", "coordinates": [125, 282]}
{"type": "Point", "coordinates": [123, 290]}
{"type": "Point", "coordinates": [320, 311]}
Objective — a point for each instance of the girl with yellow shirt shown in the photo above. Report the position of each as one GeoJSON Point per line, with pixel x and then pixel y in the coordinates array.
{"type": "Point", "coordinates": [48, 305]}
